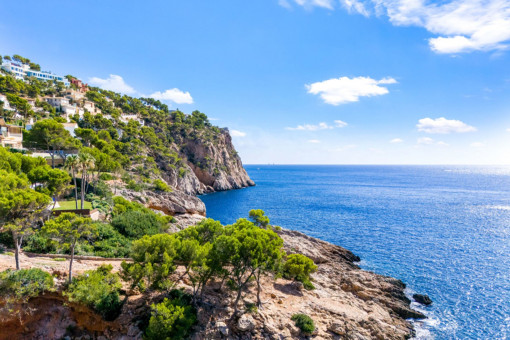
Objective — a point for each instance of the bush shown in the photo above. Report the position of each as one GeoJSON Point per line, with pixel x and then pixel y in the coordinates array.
{"type": "Point", "coordinates": [298, 267]}
{"type": "Point", "coordinates": [109, 242]}
{"type": "Point", "coordinates": [171, 319]}
{"type": "Point", "coordinates": [99, 290]}
{"type": "Point", "coordinates": [304, 323]}
{"type": "Point", "coordinates": [24, 283]}
{"type": "Point", "coordinates": [135, 224]}
{"type": "Point", "coordinates": [159, 185]}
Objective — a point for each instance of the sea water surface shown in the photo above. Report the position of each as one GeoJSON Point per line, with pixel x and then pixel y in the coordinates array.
{"type": "Point", "coordinates": [443, 230]}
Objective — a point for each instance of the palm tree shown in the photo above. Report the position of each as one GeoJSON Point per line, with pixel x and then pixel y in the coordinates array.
{"type": "Point", "coordinates": [72, 163]}
{"type": "Point", "coordinates": [85, 162]}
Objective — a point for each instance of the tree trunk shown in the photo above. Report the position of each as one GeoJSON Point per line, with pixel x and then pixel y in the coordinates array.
{"type": "Point", "coordinates": [52, 160]}
{"type": "Point", "coordinates": [239, 292]}
{"type": "Point", "coordinates": [259, 288]}
{"type": "Point", "coordinates": [75, 190]}
{"type": "Point", "coordinates": [17, 246]}
{"type": "Point", "coordinates": [82, 187]}
{"type": "Point", "coordinates": [71, 264]}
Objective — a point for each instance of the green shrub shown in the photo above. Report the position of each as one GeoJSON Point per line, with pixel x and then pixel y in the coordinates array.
{"type": "Point", "coordinates": [99, 290]}
{"type": "Point", "coordinates": [135, 224]}
{"type": "Point", "coordinates": [308, 285]}
{"type": "Point", "coordinates": [37, 243]}
{"type": "Point", "coordinates": [159, 185]}
{"type": "Point", "coordinates": [106, 176]}
{"type": "Point", "coordinates": [298, 267]}
{"type": "Point", "coordinates": [171, 319]}
{"type": "Point", "coordinates": [109, 242]}
{"type": "Point", "coordinates": [304, 323]}
{"type": "Point", "coordinates": [24, 283]}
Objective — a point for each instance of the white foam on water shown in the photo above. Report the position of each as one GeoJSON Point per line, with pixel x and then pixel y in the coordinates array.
{"type": "Point", "coordinates": [422, 327]}
{"type": "Point", "coordinates": [499, 207]}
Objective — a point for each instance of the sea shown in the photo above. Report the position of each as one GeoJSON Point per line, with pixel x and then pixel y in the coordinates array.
{"type": "Point", "coordinates": [443, 230]}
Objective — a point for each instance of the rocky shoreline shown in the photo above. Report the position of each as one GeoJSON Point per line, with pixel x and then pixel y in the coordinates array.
{"type": "Point", "coordinates": [348, 303]}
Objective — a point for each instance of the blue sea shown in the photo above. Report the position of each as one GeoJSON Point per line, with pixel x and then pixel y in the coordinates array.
{"type": "Point", "coordinates": [443, 230]}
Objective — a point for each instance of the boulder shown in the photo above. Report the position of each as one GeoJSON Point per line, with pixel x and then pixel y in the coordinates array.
{"type": "Point", "coordinates": [245, 323]}
{"type": "Point", "coordinates": [223, 328]}
{"type": "Point", "coordinates": [423, 299]}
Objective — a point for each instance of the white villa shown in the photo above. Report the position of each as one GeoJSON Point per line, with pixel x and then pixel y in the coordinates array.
{"type": "Point", "coordinates": [74, 95]}
{"type": "Point", "coordinates": [57, 101]}
{"type": "Point", "coordinates": [11, 135]}
{"type": "Point", "coordinates": [21, 71]}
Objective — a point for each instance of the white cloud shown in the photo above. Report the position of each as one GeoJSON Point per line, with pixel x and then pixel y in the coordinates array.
{"type": "Point", "coordinates": [477, 145]}
{"type": "Point", "coordinates": [508, 130]}
{"type": "Point", "coordinates": [355, 6]}
{"type": "Point", "coordinates": [175, 95]}
{"type": "Point", "coordinates": [396, 140]}
{"type": "Point", "coordinates": [314, 141]}
{"type": "Point", "coordinates": [117, 84]}
{"type": "Point", "coordinates": [237, 133]}
{"type": "Point", "coordinates": [310, 127]}
{"type": "Point", "coordinates": [285, 4]}
{"type": "Point", "coordinates": [458, 25]}
{"type": "Point", "coordinates": [315, 3]}
{"type": "Point", "coordinates": [320, 126]}
{"type": "Point", "coordinates": [430, 141]}
{"type": "Point", "coordinates": [340, 123]}
{"type": "Point", "coordinates": [443, 125]}
{"type": "Point", "coordinates": [113, 83]}
{"type": "Point", "coordinates": [343, 90]}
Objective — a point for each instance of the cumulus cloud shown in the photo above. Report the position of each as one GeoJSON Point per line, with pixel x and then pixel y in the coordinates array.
{"type": "Point", "coordinates": [320, 126]}
{"type": "Point", "coordinates": [459, 26]}
{"type": "Point", "coordinates": [117, 84]}
{"type": "Point", "coordinates": [237, 133]}
{"type": "Point", "coordinates": [175, 95]}
{"type": "Point", "coordinates": [314, 141]}
{"type": "Point", "coordinates": [112, 83]}
{"type": "Point", "coordinates": [443, 125]}
{"type": "Point", "coordinates": [343, 90]}
{"type": "Point", "coordinates": [430, 141]}
{"type": "Point", "coordinates": [396, 140]}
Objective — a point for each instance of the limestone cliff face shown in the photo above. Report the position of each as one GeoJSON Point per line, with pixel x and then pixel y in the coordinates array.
{"type": "Point", "coordinates": [212, 164]}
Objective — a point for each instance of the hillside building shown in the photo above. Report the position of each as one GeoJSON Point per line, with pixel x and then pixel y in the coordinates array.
{"type": "Point", "coordinates": [20, 71]}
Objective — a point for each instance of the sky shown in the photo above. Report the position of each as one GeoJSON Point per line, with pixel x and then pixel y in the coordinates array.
{"type": "Point", "coordinates": [297, 81]}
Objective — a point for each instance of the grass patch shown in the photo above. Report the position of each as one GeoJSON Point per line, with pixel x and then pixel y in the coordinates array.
{"type": "Point", "coordinates": [60, 259]}
{"type": "Point", "coordinates": [9, 253]}
{"type": "Point", "coordinates": [71, 205]}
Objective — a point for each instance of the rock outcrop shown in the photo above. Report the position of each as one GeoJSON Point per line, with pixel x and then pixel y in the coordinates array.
{"type": "Point", "coordinates": [212, 164]}
{"type": "Point", "coordinates": [173, 203]}
{"type": "Point", "coordinates": [423, 299]}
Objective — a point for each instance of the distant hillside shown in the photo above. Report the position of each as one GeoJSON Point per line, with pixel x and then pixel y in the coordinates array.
{"type": "Point", "coordinates": [140, 136]}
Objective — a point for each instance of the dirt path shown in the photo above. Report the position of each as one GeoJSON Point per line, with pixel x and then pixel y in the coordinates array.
{"type": "Point", "coordinates": [54, 264]}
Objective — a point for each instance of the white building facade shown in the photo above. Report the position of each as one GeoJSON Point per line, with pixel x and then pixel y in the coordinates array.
{"type": "Point", "coordinates": [21, 71]}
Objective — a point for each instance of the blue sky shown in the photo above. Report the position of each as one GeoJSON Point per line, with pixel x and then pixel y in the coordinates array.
{"type": "Point", "coordinates": [297, 81]}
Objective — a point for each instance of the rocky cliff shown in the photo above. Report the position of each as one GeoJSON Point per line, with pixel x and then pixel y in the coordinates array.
{"type": "Point", "coordinates": [211, 164]}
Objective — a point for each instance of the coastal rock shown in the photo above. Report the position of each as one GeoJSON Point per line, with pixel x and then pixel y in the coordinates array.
{"type": "Point", "coordinates": [423, 299]}
{"type": "Point", "coordinates": [212, 164]}
{"type": "Point", "coordinates": [170, 203]}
